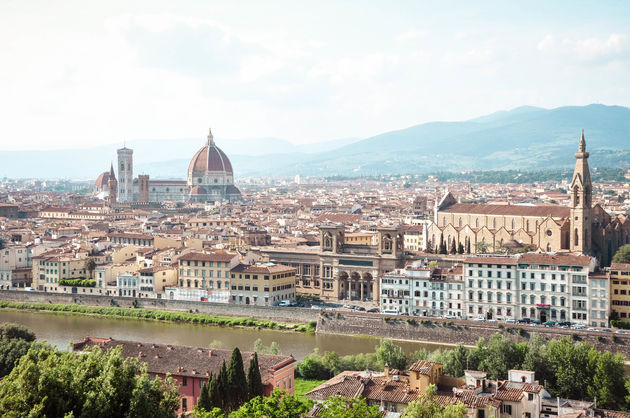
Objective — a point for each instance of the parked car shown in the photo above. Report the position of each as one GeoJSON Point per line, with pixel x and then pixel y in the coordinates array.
{"type": "Point", "coordinates": [373, 310]}
{"type": "Point", "coordinates": [606, 330]}
{"type": "Point", "coordinates": [564, 323]}
{"type": "Point", "coordinates": [579, 326]}
{"type": "Point", "coordinates": [620, 331]}
{"type": "Point", "coordinates": [480, 319]}
{"type": "Point", "coordinates": [591, 329]}
{"type": "Point", "coordinates": [524, 321]}
{"type": "Point", "coordinates": [550, 324]}
{"type": "Point", "coordinates": [284, 303]}
{"type": "Point", "coordinates": [450, 317]}
{"type": "Point", "coordinates": [390, 312]}
{"type": "Point", "coordinates": [510, 320]}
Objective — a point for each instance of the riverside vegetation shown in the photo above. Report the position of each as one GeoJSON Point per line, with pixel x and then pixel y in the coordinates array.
{"type": "Point", "coordinates": [568, 369]}
{"type": "Point", "coordinates": [158, 315]}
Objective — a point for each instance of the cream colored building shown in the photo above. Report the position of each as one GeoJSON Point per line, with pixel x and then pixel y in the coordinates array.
{"type": "Point", "coordinates": [262, 284]}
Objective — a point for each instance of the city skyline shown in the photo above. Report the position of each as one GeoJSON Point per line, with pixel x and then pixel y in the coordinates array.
{"type": "Point", "coordinates": [108, 73]}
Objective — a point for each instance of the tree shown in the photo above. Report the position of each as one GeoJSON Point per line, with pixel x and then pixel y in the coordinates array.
{"type": "Point", "coordinates": [442, 249]}
{"type": "Point", "coordinates": [481, 247]}
{"type": "Point", "coordinates": [338, 406]}
{"type": "Point", "coordinates": [15, 341]}
{"type": "Point", "coordinates": [223, 388]}
{"type": "Point", "coordinates": [11, 331]}
{"type": "Point", "coordinates": [391, 354]}
{"type": "Point", "coordinates": [622, 255]}
{"type": "Point", "coordinates": [204, 395]}
{"type": "Point", "coordinates": [90, 266]}
{"type": "Point", "coordinates": [453, 247]}
{"type": "Point", "coordinates": [277, 405]}
{"type": "Point", "coordinates": [46, 382]}
{"type": "Point", "coordinates": [536, 358]}
{"type": "Point", "coordinates": [429, 246]}
{"type": "Point", "coordinates": [254, 380]}
{"type": "Point", "coordinates": [467, 246]}
{"type": "Point", "coordinates": [499, 356]}
{"type": "Point", "coordinates": [427, 406]}
{"type": "Point", "coordinates": [460, 248]}
{"type": "Point", "coordinates": [236, 381]}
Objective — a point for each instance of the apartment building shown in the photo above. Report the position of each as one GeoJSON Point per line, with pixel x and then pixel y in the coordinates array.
{"type": "Point", "coordinates": [49, 269]}
{"type": "Point", "coordinates": [619, 276]}
{"type": "Point", "coordinates": [262, 284]}
{"type": "Point", "coordinates": [206, 275]}
{"type": "Point", "coordinates": [15, 267]}
{"type": "Point", "coordinates": [422, 290]}
{"type": "Point", "coordinates": [536, 286]}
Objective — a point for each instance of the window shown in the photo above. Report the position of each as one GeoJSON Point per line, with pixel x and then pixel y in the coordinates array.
{"type": "Point", "coordinates": [184, 381]}
{"type": "Point", "coordinates": [184, 404]}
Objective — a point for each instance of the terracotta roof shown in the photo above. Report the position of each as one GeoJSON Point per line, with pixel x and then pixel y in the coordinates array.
{"type": "Point", "coordinates": [184, 361]}
{"type": "Point", "coordinates": [422, 366]}
{"type": "Point", "coordinates": [221, 257]}
{"type": "Point", "coordinates": [209, 158]}
{"type": "Point", "coordinates": [620, 266]}
{"type": "Point", "coordinates": [509, 210]}
{"type": "Point", "coordinates": [102, 179]}
{"type": "Point", "coordinates": [557, 259]}
{"type": "Point", "coordinates": [491, 260]}
{"type": "Point", "coordinates": [262, 268]}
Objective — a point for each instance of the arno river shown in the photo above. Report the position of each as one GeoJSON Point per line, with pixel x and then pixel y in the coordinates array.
{"type": "Point", "coordinates": [61, 329]}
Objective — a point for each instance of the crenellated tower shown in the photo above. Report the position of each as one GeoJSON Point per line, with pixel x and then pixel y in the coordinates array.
{"type": "Point", "coordinates": [581, 202]}
{"type": "Point", "coordinates": [112, 186]}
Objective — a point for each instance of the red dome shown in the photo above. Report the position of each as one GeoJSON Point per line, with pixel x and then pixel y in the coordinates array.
{"type": "Point", "coordinates": [209, 158]}
{"type": "Point", "coordinates": [101, 181]}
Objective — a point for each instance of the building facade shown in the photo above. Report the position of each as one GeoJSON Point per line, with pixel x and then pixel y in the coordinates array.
{"type": "Point", "coordinates": [619, 276]}
{"type": "Point", "coordinates": [262, 284]}
{"type": "Point", "coordinates": [581, 228]}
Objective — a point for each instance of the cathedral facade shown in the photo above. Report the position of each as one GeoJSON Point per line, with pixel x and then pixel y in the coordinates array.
{"type": "Point", "coordinates": [580, 228]}
{"type": "Point", "coordinates": [210, 178]}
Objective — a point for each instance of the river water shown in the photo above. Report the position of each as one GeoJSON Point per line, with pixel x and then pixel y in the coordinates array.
{"type": "Point", "coordinates": [61, 329]}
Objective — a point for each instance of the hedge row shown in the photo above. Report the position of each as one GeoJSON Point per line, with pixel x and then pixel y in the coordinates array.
{"type": "Point", "coordinates": [158, 315]}
{"type": "Point", "coordinates": [81, 282]}
{"type": "Point", "coordinates": [620, 324]}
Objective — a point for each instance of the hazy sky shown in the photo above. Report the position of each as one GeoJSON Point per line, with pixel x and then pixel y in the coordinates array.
{"type": "Point", "coordinates": [78, 73]}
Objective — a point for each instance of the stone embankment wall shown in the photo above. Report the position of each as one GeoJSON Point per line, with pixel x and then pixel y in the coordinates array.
{"type": "Point", "coordinates": [455, 332]}
{"type": "Point", "coordinates": [273, 313]}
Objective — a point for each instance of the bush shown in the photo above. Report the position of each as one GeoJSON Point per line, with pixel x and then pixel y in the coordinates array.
{"type": "Point", "coordinates": [79, 282]}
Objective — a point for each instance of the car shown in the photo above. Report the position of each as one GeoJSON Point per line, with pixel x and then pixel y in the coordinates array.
{"type": "Point", "coordinates": [29, 289]}
{"type": "Point", "coordinates": [565, 327]}
{"type": "Point", "coordinates": [606, 330]}
{"type": "Point", "coordinates": [564, 323]}
{"type": "Point", "coordinates": [284, 303]}
{"type": "Point", "coordinates": [316, 307]}
{"type": "Point", "coordinates": [373, 310]}
{"type": "Point", "coordinates": [480, 319]}
{"type": "Point", "coordinates": [620, 331]}
{"type": "Point", "coordinates": [492, 321]}
{"type": "Point", "coordinates": [347, 306]}
{"type": "Point", "coordinates": [536, 321]}
{"type": "Point", "coordinates": [524, 321]}
{"type": "Point", "coordinates": [579, 326]}
{"type": "Point", "coordinates": [510, 320]}
{"type": "Point", "coordinates": [591, 329]}
{"type": "Point", "coordinates": [450, 317]}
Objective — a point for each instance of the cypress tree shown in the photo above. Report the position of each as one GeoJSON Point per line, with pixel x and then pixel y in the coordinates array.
{"type": "Point", "coordinates": [453, 248]}
{"type": "Point", "coordinates": [442, 245]}
{"type": "Point", "coordinates": [236, 381]}
{"type": "Point", "coordinates": [460, 248]}
{"type": "Point", "coordinates": [214, 395]}
{"type": "Point", "coordinates": [254, 380]}
{"type": "Point", "coordinates": [204, 397]}
{"type": "Point", "coordinates": [223, 388]}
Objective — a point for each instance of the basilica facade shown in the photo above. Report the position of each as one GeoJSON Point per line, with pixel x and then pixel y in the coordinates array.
{"type": "Point", "coordinates": [581, 228]}
{"type": "Point", "coordinates": [210, 178]}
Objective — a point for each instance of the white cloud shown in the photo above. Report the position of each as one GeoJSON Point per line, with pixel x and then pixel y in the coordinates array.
{"type": "Point", "coordinates": [592, 49]}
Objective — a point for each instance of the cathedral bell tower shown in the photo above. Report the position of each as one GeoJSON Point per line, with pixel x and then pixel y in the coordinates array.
{"type": "Point", "coordinates": [112, 186]}
{"type": "Point", "coordinates": [581, 202]}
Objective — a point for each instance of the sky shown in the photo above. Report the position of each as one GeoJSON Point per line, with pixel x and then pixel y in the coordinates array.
{"type": "Point", "coordinates": [76, 74]}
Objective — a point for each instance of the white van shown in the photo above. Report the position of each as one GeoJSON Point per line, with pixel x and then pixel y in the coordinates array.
{"type": "Point", "coordinates": [390, 312]}
{"type": "Point", "coordinates": [284, 303]}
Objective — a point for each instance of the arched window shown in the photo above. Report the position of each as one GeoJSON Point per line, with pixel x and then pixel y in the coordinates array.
{"type": "Point", "coordinates": [513, 224]}
{"type": "Point", "coordinates": [576, 196]}
{"type": "Point", "coordinates": [527, 225]}
{"type": "Point", "coordinates": [477, 223]}
{"type": "Point", "coordinates": [576, 237]}
{"type": "Point", "coordinates": [460, 221]}
{"type": "Point", "coordinates": [494, 223]}
{"type": "Point", "coordinates": [443, 220]}
{"type": "Point", "coordinates": [532, 300]}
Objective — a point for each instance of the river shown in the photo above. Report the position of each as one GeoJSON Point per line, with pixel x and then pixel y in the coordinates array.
{"type": "Point", "coordinates": [60, 329]}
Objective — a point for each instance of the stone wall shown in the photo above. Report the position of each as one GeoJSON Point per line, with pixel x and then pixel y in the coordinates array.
{"type": "Point", "coordinates": [274, 313]}
{"type": "Point", "coordinates": [454, 332]}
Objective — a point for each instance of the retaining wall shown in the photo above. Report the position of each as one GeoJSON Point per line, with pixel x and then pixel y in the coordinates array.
{"type": "Point", "coordinates": [455, 332]}
{"type": "Point", "coordinates": [274, 313]}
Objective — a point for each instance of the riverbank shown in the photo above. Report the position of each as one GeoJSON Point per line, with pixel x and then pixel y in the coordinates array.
{"type": "Point", "coordinates": [159, 315]}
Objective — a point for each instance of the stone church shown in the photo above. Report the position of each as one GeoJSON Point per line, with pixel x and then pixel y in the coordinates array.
{"type": "Point", "coordinates": [580, 228]}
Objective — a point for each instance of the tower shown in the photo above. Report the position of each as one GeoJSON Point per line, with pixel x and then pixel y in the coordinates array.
{"type": "Point", "coordinates": [143, 188]}
{"type": "Point", "coordinates": [112, 186]}
{"type": "Point", "coordinates": [125, 175]}
{"type": "Point", "coordinates": [581, 202]}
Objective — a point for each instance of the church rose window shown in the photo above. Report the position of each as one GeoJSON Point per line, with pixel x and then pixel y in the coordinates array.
{"type": "Point", "coordinates": [549, 232]}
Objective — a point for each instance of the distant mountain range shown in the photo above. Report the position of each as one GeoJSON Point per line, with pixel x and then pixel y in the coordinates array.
{"type": "Point", "coordinates": [525, 138]}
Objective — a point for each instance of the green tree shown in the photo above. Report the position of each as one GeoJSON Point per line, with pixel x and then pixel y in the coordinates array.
{"type": "Point", "coordinates": [204, 395]}
{"type": "Point", "coordinates": [254, 380]}
{"type": "Point", "coordinates": [236, 381]}
{"type": "Point", "coordinates": [442, 249]}
{"type": "Point", "coordinates": [391, 354]}
{"type": "Point", "coordinates": [277, 405]}
{"type": "Point", "coordinates": [338, 406]}
{"type": "Point", "coordinates": [622, 255]}
{"type": "Point", "coordinates": [608, 381]}
{"type": "Point", "coordinates": [90, 266]}
{"type": "Point", "coordinates": [453, 247]}
{"type": "Point", "coordinates": [499, 356]}
{"type": "Point", "coordinates": [427, 406]}
{"type": "Point", "coordinates": [482, 247]}
{"type": "Point", "coordinates": [312, 367]}
{"type": "Point", "coordinates": [50, 383]}
{"type": "Point", "coordinates": [460, 248]}
{"type": "Point", "coordinates": [536, 358]}
{"type": "Point", "coordinates": [11, 331]}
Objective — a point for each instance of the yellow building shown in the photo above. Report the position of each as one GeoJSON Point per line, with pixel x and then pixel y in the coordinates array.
{"type": "Point", "coordinates": [359, 238]}
{"type": "Point", "coordinates": [620, 290]}
{"type": "Point", "coordinates": [49, 269]}
{"type": "Point", "coordinates": [205, 271]}
{"type": "Point", "coordinates": [262, 284]}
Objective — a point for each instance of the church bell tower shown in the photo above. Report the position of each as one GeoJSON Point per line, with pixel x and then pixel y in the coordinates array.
{"type": "Point", "coordinates": [581, 202]}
